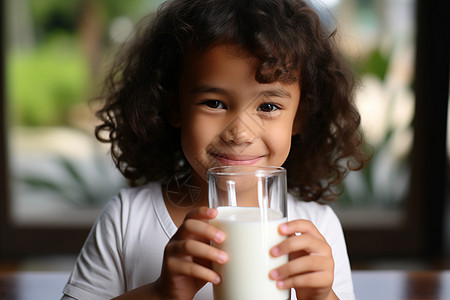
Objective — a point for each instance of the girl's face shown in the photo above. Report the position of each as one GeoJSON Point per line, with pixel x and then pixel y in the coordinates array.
{"type": "Point", "coordinates": [227, 117]}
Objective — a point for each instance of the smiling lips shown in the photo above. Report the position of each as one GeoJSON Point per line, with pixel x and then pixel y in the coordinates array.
{"type": "Point", "coordinates": [233, 159]}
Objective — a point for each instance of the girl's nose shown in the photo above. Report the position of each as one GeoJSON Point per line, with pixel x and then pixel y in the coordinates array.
{"type": "Point", "coordinates": [238, 133]}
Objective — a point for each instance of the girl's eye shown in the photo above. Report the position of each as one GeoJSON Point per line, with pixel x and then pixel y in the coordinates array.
{"type": "Point", "coordinates": [214, 104]}
{"type": "Point", "coordinates": [268, 107]}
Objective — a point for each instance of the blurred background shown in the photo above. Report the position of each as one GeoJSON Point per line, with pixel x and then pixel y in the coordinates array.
{"type": "Point", "coordinates": [55, 177]}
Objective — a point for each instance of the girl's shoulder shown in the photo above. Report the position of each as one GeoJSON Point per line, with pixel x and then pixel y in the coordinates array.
{"type": "Point", "coordinates": [318, 213]}
{"type": "Point", "coordinates": [135, 201]}
{"type": "Point", "coordinates": [139, 208]}
{"type": "Point", "coordinates": [140, 195]}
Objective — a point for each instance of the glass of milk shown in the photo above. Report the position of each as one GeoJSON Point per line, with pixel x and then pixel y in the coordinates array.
{"type": "Point", "coordinates": [251, 201]}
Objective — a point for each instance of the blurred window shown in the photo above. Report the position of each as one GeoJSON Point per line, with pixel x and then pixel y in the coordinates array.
{"type": "Point", "coordinates": [55, 54]}
{"type": "Point", "coordinates": [377, 37]}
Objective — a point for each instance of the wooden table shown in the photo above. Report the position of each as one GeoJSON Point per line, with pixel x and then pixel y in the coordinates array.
{"type": "Point", "coordinates": [376, 285]}
{"type": "Point", "coordinates": [398, 285]}
{"type": "Point", "coordinates": [32, 285]}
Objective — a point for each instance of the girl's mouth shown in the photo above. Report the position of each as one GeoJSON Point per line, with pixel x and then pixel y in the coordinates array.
{"type": "Point", "coordinates": [233, 159]}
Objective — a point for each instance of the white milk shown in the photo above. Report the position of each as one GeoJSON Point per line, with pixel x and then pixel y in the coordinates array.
{"type": "Point", "coordinates": [246, 274]}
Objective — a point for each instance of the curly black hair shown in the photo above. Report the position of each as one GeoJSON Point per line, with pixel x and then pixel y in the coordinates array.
{"type": "Point", "coordinates": [290, 43]}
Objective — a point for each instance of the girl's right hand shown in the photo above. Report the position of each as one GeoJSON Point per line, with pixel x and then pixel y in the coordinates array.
{"type": "Point", "coordinates": [188, 256]}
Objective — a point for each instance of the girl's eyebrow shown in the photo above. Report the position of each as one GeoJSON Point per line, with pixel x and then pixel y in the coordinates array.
{"type": "Point", "coordinates": [217, 90]}
{"type": "Point", "coordinates": [276, 93]}
{"type": "Point", "coordinates": [208, 89]}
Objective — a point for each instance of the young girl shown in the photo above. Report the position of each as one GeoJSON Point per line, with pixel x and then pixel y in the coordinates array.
{"type": "Point", "coordinates": [213, 82]}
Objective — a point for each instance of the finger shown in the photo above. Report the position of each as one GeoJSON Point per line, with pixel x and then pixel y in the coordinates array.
{"type": "Point", "coordinates": [192, 228]}
{"type": "Point", "coordinates": [305, 243]}
{"type": "Point", "coordinates": [303, 265]}
{"type": "Point", "coordinates": [191, 269]}
{"type": "Point", "coordinates": [314, 280]}
{"type": "Point", "coordinates": [299, 226]}
{"type": "Point", "coordinates": [196, 249]}
{"type": "Point", "coordinates": [202, 212]}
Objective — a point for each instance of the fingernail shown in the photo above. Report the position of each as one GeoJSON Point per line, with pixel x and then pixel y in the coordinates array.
{"type": "Point", "coordinates": [281, 284]}
{"type": "Point", "coordinates": [283, 227]}
{"type": "Point", "coordinates": [220, 236]}
{"type": "Point", "coordinates": [217, 280]}
{"type": "Point", "coordinates": [275, 251]}
{"type": "Point", "coordinates": [222, 257]}
{"type": "Point", "coordinates": [274, 274]}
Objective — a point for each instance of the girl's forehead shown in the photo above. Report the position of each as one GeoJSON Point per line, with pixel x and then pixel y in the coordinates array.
{"type": "Point", "coordinates": [218, 61]}
{"type": "Point", "coordinates": [232, 52]}
{"type": "Point", "coordinates": [226, 71]}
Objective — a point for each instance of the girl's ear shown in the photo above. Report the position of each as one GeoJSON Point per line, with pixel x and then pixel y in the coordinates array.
{"type": "Point", "coordinates": [296, 126]}
{"type": "Point", "coordinates": [295, 130]}
{"type": "Point", "coordinates": [173, 114]}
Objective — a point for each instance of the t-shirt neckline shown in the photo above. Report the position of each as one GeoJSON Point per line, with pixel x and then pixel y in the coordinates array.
{"type": "Point", "coordinates": [161, 211]}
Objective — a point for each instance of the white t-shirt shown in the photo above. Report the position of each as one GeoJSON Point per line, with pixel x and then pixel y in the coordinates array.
{"type": "Point", "coordinates": [124, 249]}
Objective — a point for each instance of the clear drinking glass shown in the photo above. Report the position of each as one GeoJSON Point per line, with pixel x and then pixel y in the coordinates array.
{"type": "Point", "coordinates": [251, 201]}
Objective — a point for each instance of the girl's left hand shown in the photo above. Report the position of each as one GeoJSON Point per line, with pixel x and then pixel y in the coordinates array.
{"type": "Point", "coordinates": [310, 270]}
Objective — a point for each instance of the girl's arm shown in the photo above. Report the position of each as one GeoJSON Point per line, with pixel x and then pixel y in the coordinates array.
{"type": "Point", "coordinates": [187, 260]}
{"type": "Point", "coordinates": [310, 270]}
